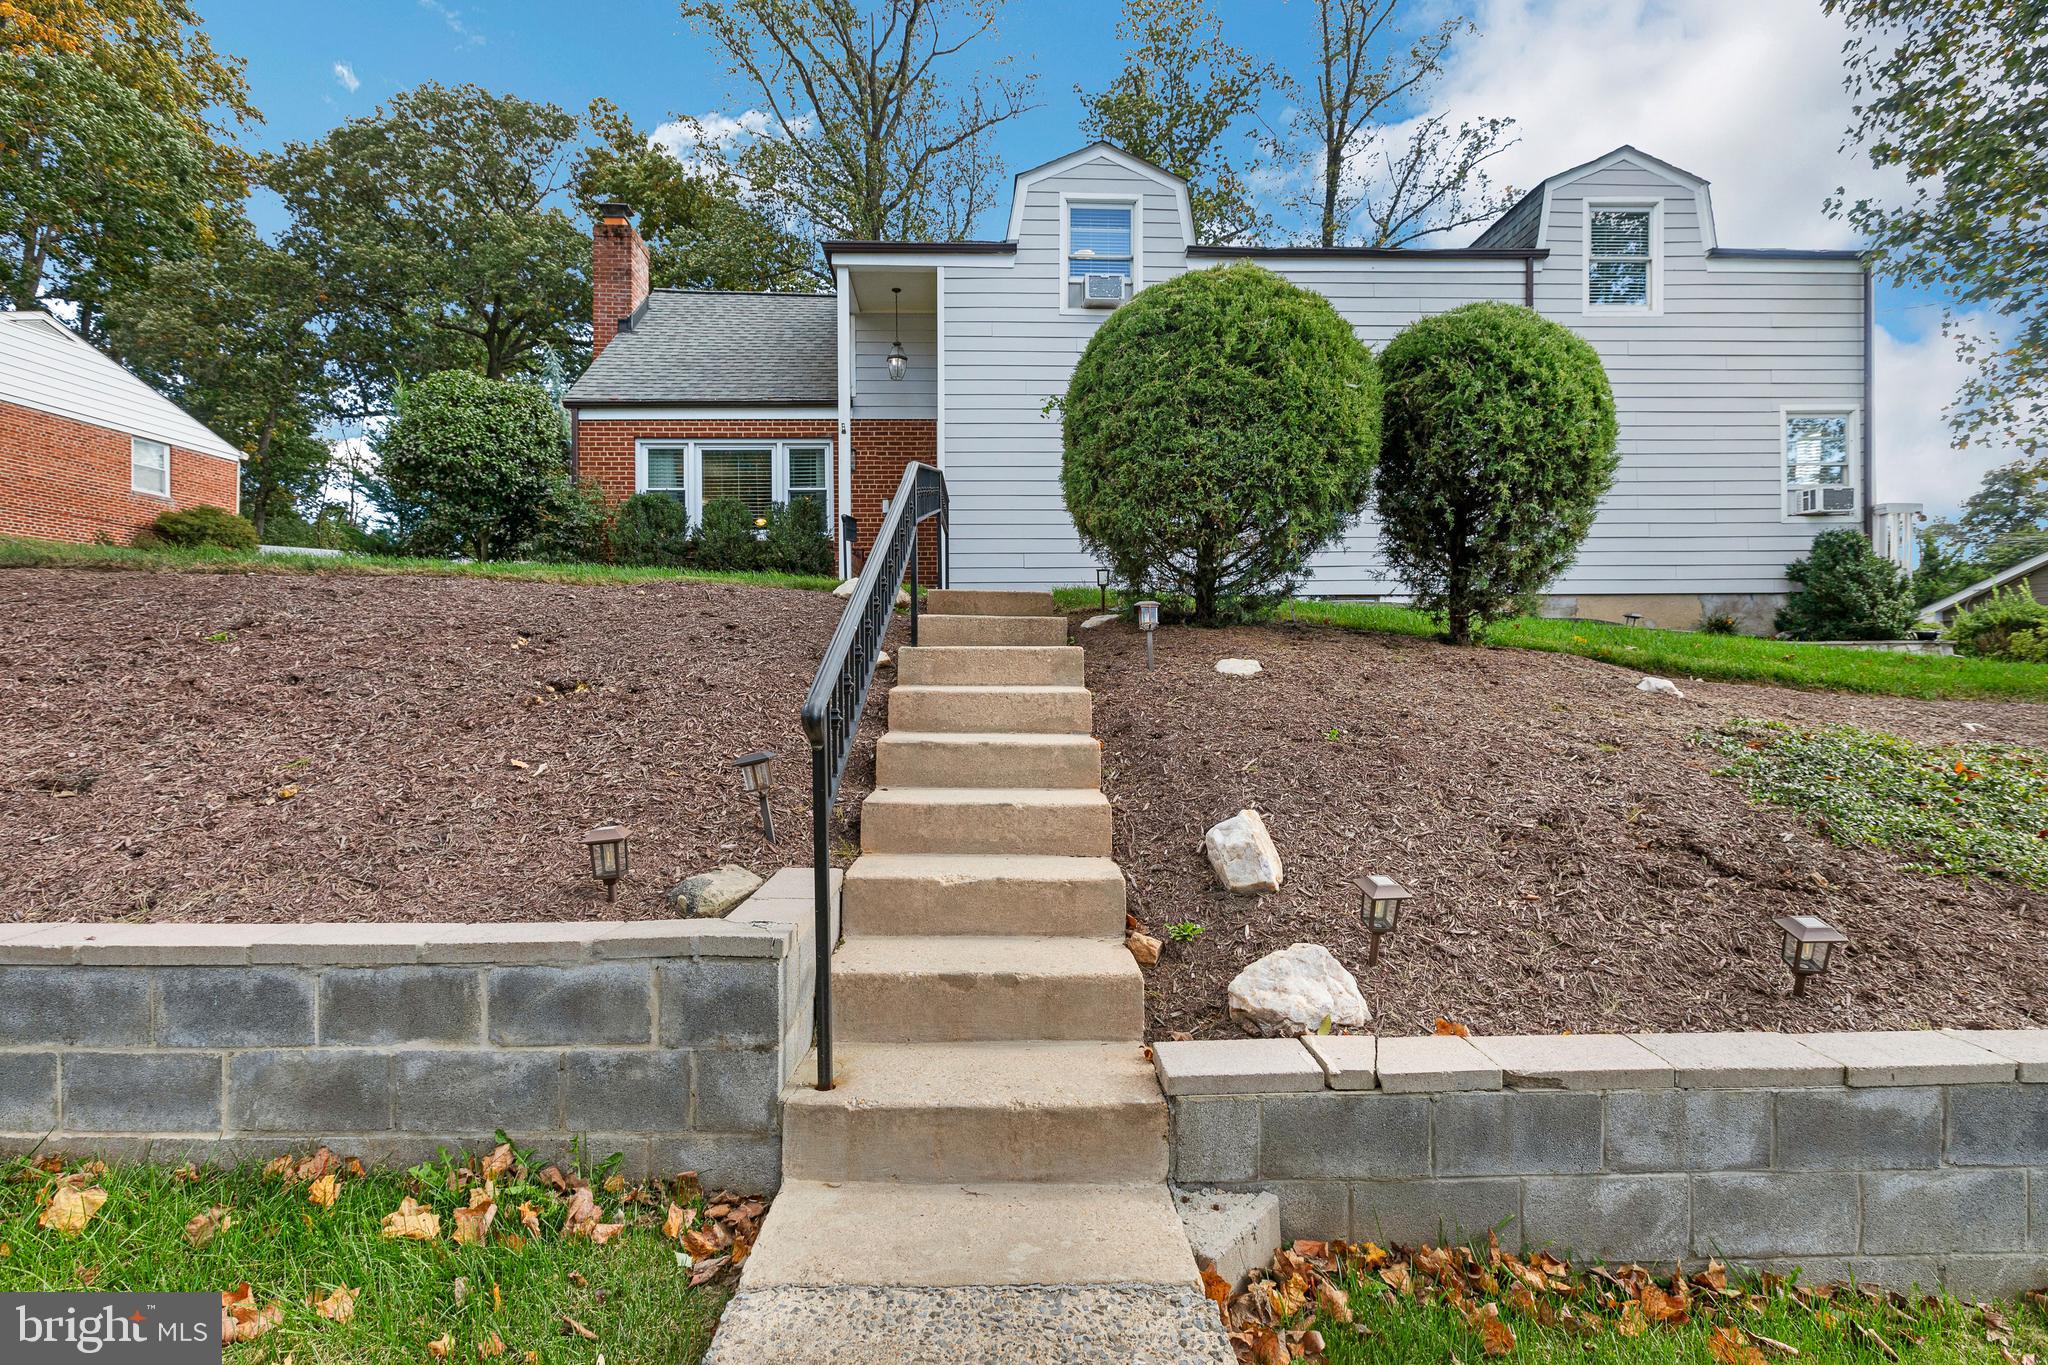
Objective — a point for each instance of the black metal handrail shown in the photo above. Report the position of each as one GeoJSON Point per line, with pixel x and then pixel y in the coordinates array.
{"type": "Point", "coordinates": [833, 706]}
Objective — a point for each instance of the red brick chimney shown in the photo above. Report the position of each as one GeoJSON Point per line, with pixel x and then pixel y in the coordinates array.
{"type": "Point", "coordinates": [618, 273]}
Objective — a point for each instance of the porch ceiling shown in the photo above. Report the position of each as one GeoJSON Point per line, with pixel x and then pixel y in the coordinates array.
{"type": "Point", "coordinates": [871, 285]}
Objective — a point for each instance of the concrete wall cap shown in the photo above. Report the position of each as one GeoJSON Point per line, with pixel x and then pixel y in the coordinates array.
{"type": "Point", "coordinates": [1702, 1061]}
{"type": "Point", "coordinates": [1236, 1066]}
{"type": "Point", "coordinates": [2024, 1047]}
{"type": "Point", "coordinates": [1407, 1066]}
{"type": "Point", "coordinates": [1349, 1061]}
{"type": "Point", "coordinates": [1581, 1061]}
{"type": "Point", "coordinates": [1927, 1058]}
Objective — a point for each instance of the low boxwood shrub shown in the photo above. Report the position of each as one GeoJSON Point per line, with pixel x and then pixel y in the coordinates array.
{"type": "Point", "coordinates": [2007, 625]}
{"type": "Point", "coordinates": [796, 542]}
{"type": "Point", "coordinates": [1500, 443]}
{"type": "Point", "coordinates": [727, 539]}
{"type": "Point", "coordinates": [575, 523]}
{"type": "Point", "coordinates": [1850, 592]}
{"type": "Point", "coordinates": [651, 528]}
{"type": "Point", "coordinates": [199, 528]}
{"type": "Point", "coordinates": [1219, 429]}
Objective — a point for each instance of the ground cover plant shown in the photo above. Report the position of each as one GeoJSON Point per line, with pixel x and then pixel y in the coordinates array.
{"type": "Point", "coordinates": [389, 746]}
{"type": "Point", "coordinates": [1958, 809]}
{"type": "Point", "coordinates": [1689, 654]}
{"type": "Point", "coordinates": [1579, 860]}
{"type": "Point", "coordinates": [1334, 1303]}
{"type": "Point", "coordinates": [482, 1257]}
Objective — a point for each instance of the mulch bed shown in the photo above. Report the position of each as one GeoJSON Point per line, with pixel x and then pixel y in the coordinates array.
{"type": "Point", "coordinates": [1577, 862]}
{"type": "Point", "coordinates": [449, 740]}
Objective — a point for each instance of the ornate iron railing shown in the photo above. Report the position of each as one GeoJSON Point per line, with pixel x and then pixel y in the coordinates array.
{"type": "Point", "coordinates": [840, 691]}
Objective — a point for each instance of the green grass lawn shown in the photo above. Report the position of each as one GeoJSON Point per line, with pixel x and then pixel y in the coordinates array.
{"type": "Point", "coordinates": [1431, 1306]}
{"type": "Point", "coordinates": [1679, 654]}
{"type": "Point", "coordinates": [630, 1295]}
{"type": "Point", "coordinates": [16, 553]}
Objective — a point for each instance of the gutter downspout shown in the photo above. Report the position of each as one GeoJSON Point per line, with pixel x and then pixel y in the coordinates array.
{"type": "Point", "coordinates": [575, 428]}
{"type": "Point", "coordinates": [1869, 408]}
{"type": "Point", "coordinates": [842, 281]}
{"type": "Point", "coordinates": [1528, 282]}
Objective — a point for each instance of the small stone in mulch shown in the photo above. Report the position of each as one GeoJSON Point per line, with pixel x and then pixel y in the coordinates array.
{"type": "Point", "coordinates": [1243, 854]}
{"type": "Point", "coordinates": [709, 894]}
{"type": "Point", "coordinates": [1238, 668]}
{"type": "Point", "coordinates": [1094, 621]}
{"type": "Point", "coordinates": [1661, 686]}
{"type": "Point", "coordinates": [1297, 990]}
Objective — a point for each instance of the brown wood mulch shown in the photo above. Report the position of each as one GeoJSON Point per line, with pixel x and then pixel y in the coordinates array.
{"type": "Point", "coordinates": [446, 742]}
{"type": "Point", "coordinates": [1577, 862]}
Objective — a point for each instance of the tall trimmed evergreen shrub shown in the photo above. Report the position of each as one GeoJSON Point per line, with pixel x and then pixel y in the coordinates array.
{"type": "Point", "coordinates": [1849, 592]}
{"type": "Point", "coordinates": [1500, 442]}
{"type": "Point", "coordinates": [472, 464]}
{"type": "Point", "coordinates": [1220, 428]}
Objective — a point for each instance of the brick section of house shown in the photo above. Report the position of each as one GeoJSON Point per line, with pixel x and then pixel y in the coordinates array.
{"type": "Point", "coordinates": [618, 274]}
{"type": "Point", "coordinates": [882, 447]}
{"type": "Point", "coordinates": [66, 480]}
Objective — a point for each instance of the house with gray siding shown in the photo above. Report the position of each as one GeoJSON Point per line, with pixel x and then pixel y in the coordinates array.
{"type": "Point", "coordinates": [1742, 375]}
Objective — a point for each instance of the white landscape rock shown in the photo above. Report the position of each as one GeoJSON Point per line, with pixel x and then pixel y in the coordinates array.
{"type": "Point", "coordinates": [846, 590]}
{"type": "Point", "coordinates": [1238, 668]}
{"type": "Point", "coordinates": [1661, 686]}
{"type": "Point", "coordinates": [1243, 854]}
{"type": "Point", "coordinates": [710, 894]}
{"type": "Point", "coordinates": [1297, 990]}
{"type": "Point", "coordinates": [1094, 621]}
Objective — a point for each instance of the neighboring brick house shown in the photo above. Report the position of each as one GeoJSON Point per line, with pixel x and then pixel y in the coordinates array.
{"type": "Point", "coordinates": [87, 450]}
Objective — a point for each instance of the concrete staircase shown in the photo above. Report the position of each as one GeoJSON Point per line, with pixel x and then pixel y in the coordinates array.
{"type": "Point", "coordinates": [987, 1179]}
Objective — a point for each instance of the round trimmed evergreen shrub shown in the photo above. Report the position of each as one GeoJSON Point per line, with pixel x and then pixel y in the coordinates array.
{"type": "Point", "coordinates": [727, 539]}
{"type": "Point", "coordinates": [199, 528]}
{"type": "Point", "coordinates": [1220, 428]}
{"type": "Point", "coordinates": [1500, 442]}
{"type": "Point", "coordinates": [473, 464]}
{"type": "Point", "coordinates": [795, 541]}
{"type": "Point", "coordinates": [1851, 592]}
{"type": "Point", "coordinates": [651, 528]}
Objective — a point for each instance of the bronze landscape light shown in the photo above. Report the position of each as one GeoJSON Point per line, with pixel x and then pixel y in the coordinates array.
{"type": "Point", "coordinates": [1102, 582]}
{"type": "Point", "coordinates": [754, 773]}
{"type": "Point", "coordinates": [1809, 946]}
{"type": "Point", "coordinates": [609, 855]}
{"type": "Point", "coordinates": [1148, 621]}
{"type": "Point", "coordinates": [1379, 904]}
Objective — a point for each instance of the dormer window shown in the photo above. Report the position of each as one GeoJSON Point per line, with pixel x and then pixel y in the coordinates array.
{"type": "Point", "coordinates": [1621, 257]}
{"type": "Point", "coordinates": [1098, 240]}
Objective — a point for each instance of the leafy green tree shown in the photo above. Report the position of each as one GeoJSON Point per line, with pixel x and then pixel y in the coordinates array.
{"type": "Point", "coordinates": [1500, 444]}
{"type": "Point", "coordinates": [156, 48]}
{"type": "Point", "coordinates": [2012, 500]}
{"type": "Point", "coordinates": [96, 187]}
{"type": "Point", "coordinates": [430, 228]}
{"type": "Point", "coordinates": [701, 231]}
{"type": "Point", "coordinates": [1850, 592]}
{"type": "Point", "coordinates": [472, 464]}
{"type": "Point", "coordinates": [1360, 183]}
{"type": "Point", "coordinates": [1941, 570]}
{"type": "Point", "coordinates": [1181, 99]}
{"type": "Point", "coordinates": [1220, 428]}
{"type": "Point", "coordinates": [873, 131]}
{"type": "Point", "coordinates": [1955, 94]}
{"type": "Point", "coordinates": [234, 336]}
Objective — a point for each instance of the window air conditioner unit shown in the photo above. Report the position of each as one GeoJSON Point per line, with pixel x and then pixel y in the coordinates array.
{"type": "Point", "coordinates": [1817, 501]}
{"type": "Point", "coordinates": [1102, 291]}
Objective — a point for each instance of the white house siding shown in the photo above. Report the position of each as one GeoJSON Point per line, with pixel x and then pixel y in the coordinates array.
{"type": "Point", "coordinates": [1697, 505]}
{"type": "Point", "coordinates": [874, 393]}
{"type": "Point", "coordinates": [45, 367]}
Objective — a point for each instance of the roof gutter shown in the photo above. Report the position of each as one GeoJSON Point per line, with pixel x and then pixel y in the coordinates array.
{"type": "Point", "coordinates": [918, 248]}
{"type": "Point", "coordinates": [1373, 253]}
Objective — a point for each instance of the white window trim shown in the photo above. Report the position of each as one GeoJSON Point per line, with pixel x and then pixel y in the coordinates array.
{"type": "Point", "coordinates": [133, 443]}
{"type": "Point", "coordinates": [1136, 204]}
{"type": "Point", "coordinates": [1852, 442]}
{"type": "Point", "coordinates": [693, 470]}
{"type": "Point", "coordinates": [1655, 306]}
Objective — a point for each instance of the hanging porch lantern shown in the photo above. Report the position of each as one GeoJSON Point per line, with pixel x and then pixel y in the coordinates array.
{"type": "Point", "coordinates": [899, 363]}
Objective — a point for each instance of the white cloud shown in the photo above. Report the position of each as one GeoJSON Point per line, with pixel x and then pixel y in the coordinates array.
{"type": "Point", "coordinates": [453, 18]}
{"type": "Point", "coordinates": [1916, 461]}
{"type": "Point", "coordinates": [345, 76]}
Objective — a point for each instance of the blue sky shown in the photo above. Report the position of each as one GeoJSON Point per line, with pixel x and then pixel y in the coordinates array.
{"type": "Point", "coordinates": [1744, 92]}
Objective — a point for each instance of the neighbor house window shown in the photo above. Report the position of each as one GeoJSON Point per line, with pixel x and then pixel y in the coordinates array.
{"type": "Point", "coordinates": [149, 467]}
{"type": "Point", "coordinates": [1816, 449]}
{"type": "Point", "coordinates": [1098, 240]}
{"type": "Point", "coordinates": [757, 475]}
{"type": "Point", "coordinates": [1621, 257]}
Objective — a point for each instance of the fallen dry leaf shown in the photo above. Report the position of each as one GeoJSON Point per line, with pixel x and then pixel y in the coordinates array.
{"type": "Point", "coordinates": [1331, 1301]}
{"type": "Point", "coordinates": [410, 1220]}
{"type": "Point", "coordinates": [498, 1162]}
{"type": "Point", "coordinates": [491, 1347]}
{"type": "Point", "coordinates": [672, 1226]}
{"type": "Point", "coordinates": [1214, 1286]}
{"type": "Point", "coordinates": [581, 1213]}
{"type": "Point", "coordinates": [1451, 1028]}
{"type": "Point", "coordinates": [324, 1191]}
{"type": "Point", "coordinates": [1496, 1338]}
{"type": "Point", "coordinates": [570, 1324]}
{"type": "Point", "coordinates": [439, 1349]}
{"type": "Point", "coordinates": [202, 1228]}
{"type": "Point", "coordinates": [339, 1306]}
{"type": "Point", "coordinates": [1728, 1346]}
{"type": "Point", "coordinates": [473, 1224]}
{"type": "Point", "coordinates": [1664, 1308]}
{"type": "Point", "coordinates": [530, 1216]}
{"type": "Point", "coordinates": [71, 1207]}
{"type": "Point", "coordinates": [241, 1319]}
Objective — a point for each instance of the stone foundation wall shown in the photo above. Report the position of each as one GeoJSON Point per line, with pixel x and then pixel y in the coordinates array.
{"type": "Point", "coordinates": [1906, 1158]}
{"type": "Point", "coordinates": [667, 1041]}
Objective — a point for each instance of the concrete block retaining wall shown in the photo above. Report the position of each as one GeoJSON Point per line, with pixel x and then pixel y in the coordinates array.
{"type": "Point", "coordinates": [1904, 1158]}
{"type": "Point", "coordinates": [667, 1041]}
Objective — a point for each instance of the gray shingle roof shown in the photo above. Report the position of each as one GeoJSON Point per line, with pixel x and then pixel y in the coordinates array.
{"type": "Point", "coordinates": [698, 346]}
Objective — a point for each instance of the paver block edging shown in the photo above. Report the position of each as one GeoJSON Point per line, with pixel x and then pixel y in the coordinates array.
{"type": "Point", "coordinates": [1236, 1066]}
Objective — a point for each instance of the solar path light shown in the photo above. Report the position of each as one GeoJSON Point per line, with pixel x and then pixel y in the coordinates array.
{"type": "Point", "coordinates": [1809, 946]}
{"type": "Point", "coordinates": [754, 772]}
{"type": "Point", "coordinates": [1379, 904]}
{"type": "Point", "coordinates": [1148, 621]}
{"type": "Point", "coordinates": [610, 853]}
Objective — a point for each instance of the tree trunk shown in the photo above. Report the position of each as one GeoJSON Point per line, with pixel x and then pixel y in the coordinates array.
{"type": "Point", "coordinates": [264, 485]}
{"type": "Point", "coordinates": [1333, 171]}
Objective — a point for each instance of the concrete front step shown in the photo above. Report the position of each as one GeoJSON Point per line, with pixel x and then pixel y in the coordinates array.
{"type": "Point", "coordinates": [992, 710]}
{"type": "Point", "coordinates": [991, 666]}
{"type": "Point", "coordinates": [891, 1233]}
{"type": "Point", "coordinates": [992, 630]}
{"type": "Point", "coordinates": [986, 989]}
{"type": "Point", "coordinates": [923, 894]}
{"type": "Point", "coordinates": [979, 1111]}
{"type": "Point", "coordinates": [908, 759]}
{"type": "Point", "coordinates": [1068, 822]}
{"type": "Point", "coordinates": [988, 602]}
